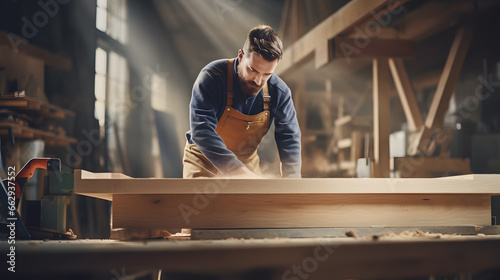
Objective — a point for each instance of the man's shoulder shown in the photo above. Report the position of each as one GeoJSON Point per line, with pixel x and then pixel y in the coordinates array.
{"type": "Point", "coordinates": [216, 68]}
{"type": "Point", "coordinates": [277, 85]}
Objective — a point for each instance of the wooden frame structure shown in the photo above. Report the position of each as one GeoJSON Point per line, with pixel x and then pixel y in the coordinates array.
{"type": "Point", "coordinates": [292, 203]}
{"type": "Point", "coordinates": [374, 32]}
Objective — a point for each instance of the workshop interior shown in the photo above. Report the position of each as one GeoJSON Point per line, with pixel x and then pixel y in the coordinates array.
{"type": "Point", "coordinates": [398, 104]}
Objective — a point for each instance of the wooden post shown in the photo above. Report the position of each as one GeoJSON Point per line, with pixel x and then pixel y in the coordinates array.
{"type": "Point", "coordinates": [445, 89]}
{"type": "Point", "coordinates": [406, 94]}
{"type": "Point", "coordinates": [381, 117]}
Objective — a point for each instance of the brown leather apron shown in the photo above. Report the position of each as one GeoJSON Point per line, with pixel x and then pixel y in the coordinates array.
{"type": "Point", "coordinates": [241, 133]}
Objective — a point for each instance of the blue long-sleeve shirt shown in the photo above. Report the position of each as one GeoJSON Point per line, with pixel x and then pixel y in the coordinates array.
{"type": "Point", "coordinates": [207, 105]}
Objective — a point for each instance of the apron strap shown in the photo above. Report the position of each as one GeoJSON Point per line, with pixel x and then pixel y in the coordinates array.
{"type": "Point", "coordinates": [229, 101]}
{"type": "Point", "coordinates": [267, 97]}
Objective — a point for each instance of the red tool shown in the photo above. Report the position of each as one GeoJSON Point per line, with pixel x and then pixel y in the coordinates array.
{"type": "Point", "coordinates": [26, 172]}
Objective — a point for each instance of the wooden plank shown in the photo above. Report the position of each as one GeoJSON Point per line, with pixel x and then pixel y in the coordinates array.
{"type": "Point", "coordinates": [350, 15]}
{"type": "Point", "coordinates": [324, 53]}
{"type": "Point", "coordinates": [381, 118]}
{"type": "Point", "coordinates": [344, 143]}
{"type": "Point", "coordinates": [439, 16]}
{"type": "Point", "coordinates": [92, 184]}
{"type": "Point", "coordinates": [449, 78]}
{"type": "Point", "coordinates": [406, 94]}
{"type": "Point", "coordinates": [25, 132]}
{"type": "Point", "coordinates": [444, 91]}
{"type": "Point", "coordinates": [173, 212]}
{"type": "Point", "coordinates": [426, 167]}
{"type": "Point", "coordinates": [356, 147]}
{"type": "Point", "coordinates": [30, 104]}
{"type": "Point", "coordinates": [350, 48]}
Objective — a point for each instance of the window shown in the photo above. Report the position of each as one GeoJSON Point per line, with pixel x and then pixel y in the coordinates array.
{"type": "Point", "coordinates": [111, 108]}
{"type": "Point", "coordinates": [100, 85]}
{"type": "Point", "coordinates": [111, 18]}
{"type": "Point", "coordinates": [111, 79]}
{"type": "Point", "coordinates": [158, 90]}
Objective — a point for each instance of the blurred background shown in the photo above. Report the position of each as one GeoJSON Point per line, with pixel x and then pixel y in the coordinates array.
{"type": "Point", "coordinates": [109, 83]}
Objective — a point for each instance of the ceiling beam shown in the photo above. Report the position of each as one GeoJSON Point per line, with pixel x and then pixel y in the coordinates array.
{"type": "Point", "coordinates": [349, 16]}
{"type": "Point", "coordinates": [349, 48]}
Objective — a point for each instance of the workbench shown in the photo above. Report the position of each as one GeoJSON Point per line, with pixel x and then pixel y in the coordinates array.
{"type": "Point", "coordinates": [286, 229]}
{"type": "Point", "coordinates": [298, 258]}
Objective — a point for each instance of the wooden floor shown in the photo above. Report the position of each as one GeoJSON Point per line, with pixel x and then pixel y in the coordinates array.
{"type": "Point", "coordinates": [299, 258]}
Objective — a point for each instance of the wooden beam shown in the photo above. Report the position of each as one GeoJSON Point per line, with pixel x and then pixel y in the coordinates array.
{"type": "Point", "coordinates": [409, 27]}
{"type": "Point", "coordinates": [350, 15]}
{"type": "Point", "coordinates": [381, 118]}
{"type": "Point", "coordinates": [439, 16]}
{"type": "Point", "coordinates": [105, 185]}
{"type": "Point", "coordinates": [356, 147]}
{"type": "Point", "coordinates": [349, 48]}
{"type": "Point", "coordinates": [173, 212]}
{"type": "Point", "coordinates": [406, 94]}
{"type": "Point", "coordinates": [244, 203]}
{"type": "Point", "coordinates": [444, 91]}
{"type": "Point", "coordinates": [428, 167]}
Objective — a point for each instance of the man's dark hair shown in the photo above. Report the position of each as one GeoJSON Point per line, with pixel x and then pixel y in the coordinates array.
{"type": "Point", "coordinates": [264, 41]}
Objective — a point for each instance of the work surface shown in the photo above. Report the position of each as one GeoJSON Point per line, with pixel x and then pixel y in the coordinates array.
{"type": "Point", "coordinates": [104, 185]}
{"type": "Point", "coordinates": [318, 258]}
{"type": "Point", "coordinates": [173, 204]}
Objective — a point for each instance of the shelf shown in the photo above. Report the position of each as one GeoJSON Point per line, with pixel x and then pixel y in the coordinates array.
{"type": "Point", "coordinates": [24, 132]}
{"type": "Point", "coordinates": [48, 57]}
{"type": "Point", "coordinates": [30, 104]}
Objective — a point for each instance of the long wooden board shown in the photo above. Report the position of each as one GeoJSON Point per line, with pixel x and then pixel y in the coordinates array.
{"type": "Point", "coordinates": [105, 185]}
{"type": "Point", "coordinates": [173, 204]}
{"type": "Point", "coordinates": [173, 212]}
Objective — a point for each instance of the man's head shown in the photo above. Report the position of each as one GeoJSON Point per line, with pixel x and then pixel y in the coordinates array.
{"type": "Point", "coordinates": [258, 59]}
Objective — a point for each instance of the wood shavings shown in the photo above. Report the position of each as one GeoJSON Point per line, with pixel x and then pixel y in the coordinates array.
{"type": "Point", "coordinates": [351, 233]}
{"type": "Point", "coordinates": [408, 234]}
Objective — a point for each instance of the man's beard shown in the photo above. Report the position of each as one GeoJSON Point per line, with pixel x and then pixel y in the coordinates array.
{"type": "Point", "coordinates": [248, 88]}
